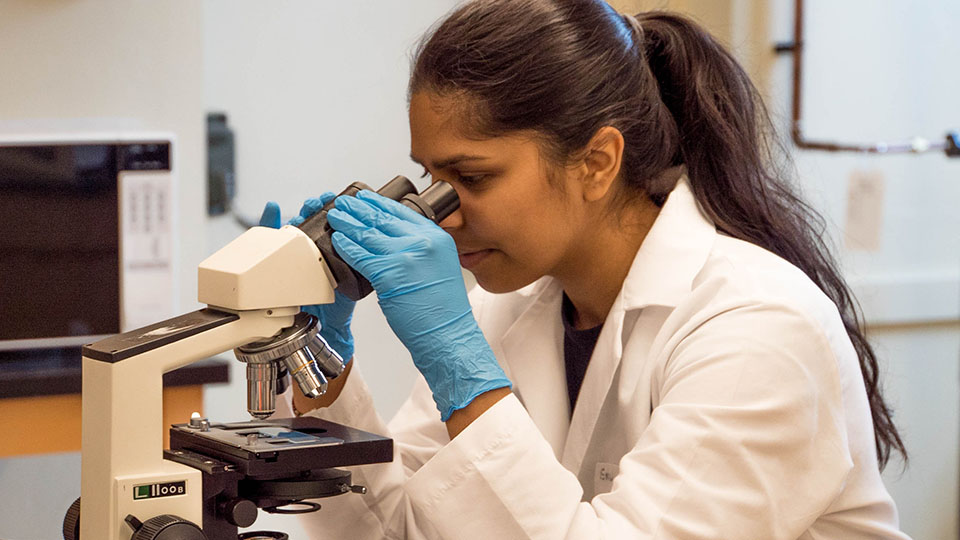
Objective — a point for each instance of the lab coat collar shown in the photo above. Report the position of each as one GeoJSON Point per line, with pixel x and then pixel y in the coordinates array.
{"type": "Point", "coordinates": [672, 254]}
{"type": "Point", "coordinates": [662, 272]}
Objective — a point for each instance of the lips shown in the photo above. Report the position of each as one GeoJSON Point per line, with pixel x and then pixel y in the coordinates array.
{"type": "Point", "coordinates": [469, 259]}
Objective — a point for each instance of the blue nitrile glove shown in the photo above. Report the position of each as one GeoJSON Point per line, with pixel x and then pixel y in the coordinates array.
{"type": "Point", "coordinates": [413, 265]}
{"type": "Point", "coordinates": [334, 318]}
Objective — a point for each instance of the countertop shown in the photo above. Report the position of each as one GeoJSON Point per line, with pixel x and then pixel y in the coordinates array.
{"type": "Point", "coordinates": [44, 372]}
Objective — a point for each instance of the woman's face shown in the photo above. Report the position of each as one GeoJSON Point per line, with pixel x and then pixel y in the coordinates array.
{"type": "Point", "coordinates": [513, 226]}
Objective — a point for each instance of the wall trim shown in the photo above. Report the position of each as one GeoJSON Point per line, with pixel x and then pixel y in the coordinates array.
{"type": "Point", "coordinates": [909, 298]}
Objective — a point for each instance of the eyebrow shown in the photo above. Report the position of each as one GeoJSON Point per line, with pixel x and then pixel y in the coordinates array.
{"type": "Point", "coordinates": [452, 160]}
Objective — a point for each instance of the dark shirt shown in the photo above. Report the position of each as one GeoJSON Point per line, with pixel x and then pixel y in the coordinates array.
{"type": "Point", "coordinates": [577, 347]}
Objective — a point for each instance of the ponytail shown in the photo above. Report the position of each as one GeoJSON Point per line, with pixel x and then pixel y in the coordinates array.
{"type": "Point", "coordinates": [727, 145]}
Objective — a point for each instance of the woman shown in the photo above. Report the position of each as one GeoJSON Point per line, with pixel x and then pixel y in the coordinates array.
{"type": "Point", "coordinates": [662, 346]}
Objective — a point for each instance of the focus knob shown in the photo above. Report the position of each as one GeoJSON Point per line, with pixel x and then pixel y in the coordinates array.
{"type": "Point", "coordinates": [71, 522]}
{"type": "Point", "coordinates": [165, 527]}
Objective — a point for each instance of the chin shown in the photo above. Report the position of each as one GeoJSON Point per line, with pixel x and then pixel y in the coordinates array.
{"type": "Point", "coordinates": [500, 284]}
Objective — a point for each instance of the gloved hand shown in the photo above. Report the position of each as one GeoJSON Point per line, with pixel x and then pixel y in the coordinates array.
{"type": "Point", "coordinates": [334, 318]}
{"type": "Point", "coordinates": [413, 265]}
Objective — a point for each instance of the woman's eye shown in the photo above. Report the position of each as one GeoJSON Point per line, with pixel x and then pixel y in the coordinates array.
{"type": "Point", "coordinates": [471, 180]}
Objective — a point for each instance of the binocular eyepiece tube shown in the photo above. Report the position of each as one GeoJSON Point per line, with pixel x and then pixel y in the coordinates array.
{"type": "Point", "coordinates": [299, 349]}
{"type": "Point", "coordinates": [436, 202]}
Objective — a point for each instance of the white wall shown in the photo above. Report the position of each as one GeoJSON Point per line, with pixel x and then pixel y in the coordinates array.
{"type": "Point", "coordinates": [878, 71]}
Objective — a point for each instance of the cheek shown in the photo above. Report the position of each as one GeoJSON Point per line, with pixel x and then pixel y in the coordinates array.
{"type": "Point", "coordinates": [530, 242]}
{"type": "Point", "coordinates": [529, 224]}
{"type": "Point", "coordinates": [481, 219]}
{"type": "Point", "coordinates": [531, 239]}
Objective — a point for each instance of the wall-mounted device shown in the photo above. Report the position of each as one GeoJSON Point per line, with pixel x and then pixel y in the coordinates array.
{"type": "Point", "coordinates": [87, 244]}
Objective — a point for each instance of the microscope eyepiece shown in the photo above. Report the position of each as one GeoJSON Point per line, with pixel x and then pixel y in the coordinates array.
{"type": "Point", "coordinates": [436, 202]}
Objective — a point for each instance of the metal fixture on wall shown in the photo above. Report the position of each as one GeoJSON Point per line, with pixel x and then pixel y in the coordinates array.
{"type": "Point", "coordinates": [221, 170]}
{"type": "Point", "coordinates": [950, 144]}
{"type": "Point", "coordinates": [221, 164]}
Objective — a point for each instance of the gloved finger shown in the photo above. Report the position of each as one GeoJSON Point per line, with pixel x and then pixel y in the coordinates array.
{"type": "Point", "coordinates": [313, 205]}
{"type": "Point", "coordinates": [341, 300]}
{"type": "Point", "coordinates": [373, 216]}
{"type": "Point", "coordinates": [352, 253]}
{"type": "Point", "coordinates": [326, 196]}
{"type": "Point", "coordinates": [310, 207]}
{"type": "Point", "coordinates": [392, 207]}
{"type": "Point", "coordinates": [345, 222]}
{"type": "Point", "coordinates": [271, 215]}
{"type": "Point", "coordinates": [371, 238]}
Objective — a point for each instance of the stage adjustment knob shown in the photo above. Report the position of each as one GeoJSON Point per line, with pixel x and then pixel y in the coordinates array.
{"type": "Point", "coordinates": [165, 527]}
{"type": "Point", "coordinates": [239, 512]}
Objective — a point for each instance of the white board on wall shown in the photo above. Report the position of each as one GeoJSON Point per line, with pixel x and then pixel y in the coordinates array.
{"type": "Point", "coordinates": [873, 72]}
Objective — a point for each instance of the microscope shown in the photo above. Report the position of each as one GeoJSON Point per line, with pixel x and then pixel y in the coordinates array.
{"type": "Point", "coordinates": [215, 477]}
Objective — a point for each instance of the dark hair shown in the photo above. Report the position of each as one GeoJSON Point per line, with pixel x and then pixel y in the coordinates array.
{"type": "Point", "coordinates": [566, 68]}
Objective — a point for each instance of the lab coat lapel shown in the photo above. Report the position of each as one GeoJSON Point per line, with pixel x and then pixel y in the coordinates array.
{"type": "Point", "coordinates": [596, 384]}
{"type": "Point", "coordinates": [663, 271]}
{"type": "Point", "coordinates": [533, 351]}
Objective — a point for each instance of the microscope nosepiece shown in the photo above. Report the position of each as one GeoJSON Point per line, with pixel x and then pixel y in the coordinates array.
{"type": "Point", "coordinates": [304, 354]}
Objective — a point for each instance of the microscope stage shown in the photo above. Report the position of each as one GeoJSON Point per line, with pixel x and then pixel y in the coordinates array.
{"type": "Point", "coordinates": [272, 448]}
{"type": "Point", "coordinates": [259, 437]}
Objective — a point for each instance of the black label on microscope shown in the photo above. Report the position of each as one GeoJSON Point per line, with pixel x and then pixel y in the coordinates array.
{"type": "Point", "coordinates": [152, 491]}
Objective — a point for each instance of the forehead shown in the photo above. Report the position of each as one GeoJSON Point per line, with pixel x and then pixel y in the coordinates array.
{"type": "Point", "coordinates": [441, 126]}
{"type": "Point", "coordinates": [448, 114]}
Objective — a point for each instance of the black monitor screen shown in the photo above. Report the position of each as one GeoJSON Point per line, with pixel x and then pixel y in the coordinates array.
{"type": "Point", "coordinates": [59, 241]}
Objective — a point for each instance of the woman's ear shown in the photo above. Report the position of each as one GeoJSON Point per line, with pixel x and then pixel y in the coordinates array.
{"type": "Point", "coordinates": [602, 160]}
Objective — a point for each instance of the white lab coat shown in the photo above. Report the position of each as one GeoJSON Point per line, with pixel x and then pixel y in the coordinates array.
{"type": "Point", "coordinates": [723, 401]}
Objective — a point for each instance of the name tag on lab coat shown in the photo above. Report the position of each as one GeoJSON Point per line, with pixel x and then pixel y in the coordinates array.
{"type": "Point", "coordinates": [603, 477]}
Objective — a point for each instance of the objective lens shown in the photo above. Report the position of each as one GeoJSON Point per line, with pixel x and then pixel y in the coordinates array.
{"type": "Point", "coordinates": [261, 389]}
{"type": "Point", "coordinates": [303, 367]}
{"type": "Point", "coordinates": [302, 352]}
{"type": "Point", "coordinates": [329, 360]}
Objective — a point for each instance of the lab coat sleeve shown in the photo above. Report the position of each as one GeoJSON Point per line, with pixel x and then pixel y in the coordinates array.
{"type": "Point", "coordinates": [417, 433]}
{"type": "Point", "coordinates": [746, 440]}
{"type": "Point", "coordinates": [384, 511]}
